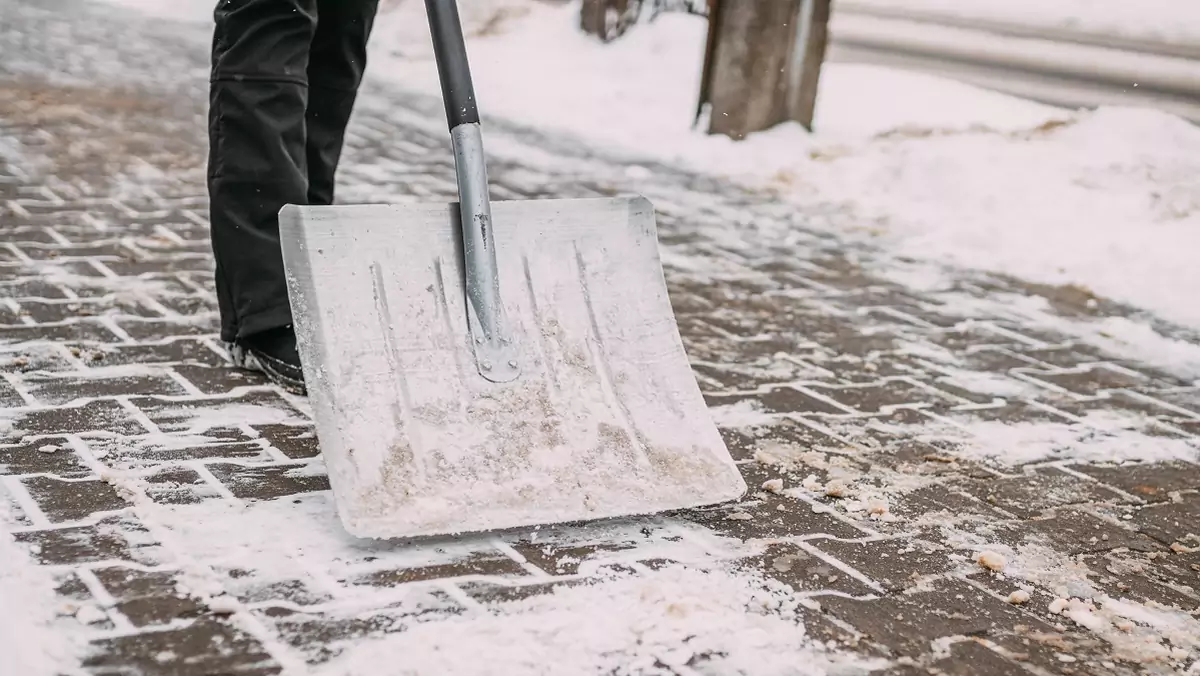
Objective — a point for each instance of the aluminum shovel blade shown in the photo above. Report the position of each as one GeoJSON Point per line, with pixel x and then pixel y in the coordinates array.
{"type": "Point", "coordinates": [605, 419]}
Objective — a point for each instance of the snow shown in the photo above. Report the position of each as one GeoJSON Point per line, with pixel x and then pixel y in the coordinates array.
{"type": "Point", "coordinates": [613, 621]}
{"type": "Point", "coordinates": [1142, 633]}
{"type": "Point", "coordinates": [933, 169]}
{"type": "Point", "coordinates": [930, 168]}
{"type": "Point", "coordinates": [623, 625]}
{"type": "Point", "coordinates": [1096, 438]}
{"type": "Point", "coordinates": [30, 644]}
{"type": "Point", "coordinates": [1172, 21]}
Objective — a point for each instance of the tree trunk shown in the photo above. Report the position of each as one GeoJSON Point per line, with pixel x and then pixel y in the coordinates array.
{"type": "Point", "coordinates": [763, 63]}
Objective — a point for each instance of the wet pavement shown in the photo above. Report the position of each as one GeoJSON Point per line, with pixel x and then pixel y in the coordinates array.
{"type": "Point", "coordinates": [860, 381]}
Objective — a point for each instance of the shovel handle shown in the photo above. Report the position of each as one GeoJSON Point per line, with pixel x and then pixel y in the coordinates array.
{"type": "Point", "coordinates": [497, 355]}
{"type": "Point", "coordinates": [450, 50]}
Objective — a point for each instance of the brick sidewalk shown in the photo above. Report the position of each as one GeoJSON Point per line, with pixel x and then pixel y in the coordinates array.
{"type": "Point", "coordinates": [119, 413]}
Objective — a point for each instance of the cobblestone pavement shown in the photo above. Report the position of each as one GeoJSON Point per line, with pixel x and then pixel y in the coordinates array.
{"type": "Point", "coordinates": [846, 373]}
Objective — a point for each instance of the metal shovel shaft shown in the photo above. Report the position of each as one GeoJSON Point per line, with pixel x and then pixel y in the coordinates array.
{"type": "Point", "coordinates": [496, 354]}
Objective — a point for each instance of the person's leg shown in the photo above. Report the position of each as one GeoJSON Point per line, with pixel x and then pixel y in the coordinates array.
{"type": "Point", "coordinates": [257, 163]}
{"type": "Point", "coordinates": [335, 69]}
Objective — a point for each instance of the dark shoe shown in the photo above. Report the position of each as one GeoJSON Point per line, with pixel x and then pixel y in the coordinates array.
{"type": "Point", "coordinates": [273, 353]}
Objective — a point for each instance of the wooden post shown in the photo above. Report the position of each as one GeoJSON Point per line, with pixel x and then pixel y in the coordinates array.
{"type": "Point", "coordinates": [762, 63]}
{"type": "Point", "coordinates": [608, 19]}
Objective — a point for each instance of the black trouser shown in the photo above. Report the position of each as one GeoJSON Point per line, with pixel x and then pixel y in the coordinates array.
{"type": "Point", "coordinates": [284, 78]}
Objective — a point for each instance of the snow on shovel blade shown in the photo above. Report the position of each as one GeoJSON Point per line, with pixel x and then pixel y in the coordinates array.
{"type": "Point", "coordinates": [605, 420]}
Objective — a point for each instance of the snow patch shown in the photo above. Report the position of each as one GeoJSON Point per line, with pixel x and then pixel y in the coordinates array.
{"type": "Point", "coordinates": [31, 644]}
{"type": "Point", "coordinates": [728, 622]}
{"type": "Point", "coordinates": [1096, 439]}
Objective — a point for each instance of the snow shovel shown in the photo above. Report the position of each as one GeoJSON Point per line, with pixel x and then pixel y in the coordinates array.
{"type": "Point", "coordinates": [477, 366]}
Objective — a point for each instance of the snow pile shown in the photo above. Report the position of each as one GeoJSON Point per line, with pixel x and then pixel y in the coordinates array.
{"type": "Point", "coordinates": [729, 624]}
{"type": "Point", "coordinates": [29, 644]}
{"type": "Point", "coordinates": [1110, 201]}
{"type": "Point", "coordinates": [1170, 21]}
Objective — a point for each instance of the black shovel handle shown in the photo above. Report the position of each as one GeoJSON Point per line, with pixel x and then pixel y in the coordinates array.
{"type": "Point", "coordinates": [450, 51]}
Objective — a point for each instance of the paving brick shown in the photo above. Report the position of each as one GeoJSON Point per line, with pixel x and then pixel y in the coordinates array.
{"type": "Point", "coordinates": [1171, 521]}
{"type": "Point", "coordinates": [297, 442]}
{"type": "Point", "coordinates": [202, 648]}
{"type": "Point", "coordinates": [49, 312]}
{"type": "Point", "coordinates": [219, 380]}
{"type": "Point", "coordinates": [15, 336]}
{"type": "Point", "coordinates": [156, 451]}
{"type": "Point", "coordinates": [943, 501]}
{"type": "Point", "coordinates": [1010, 412]}
{"type": "Point", "coordinates": [744, 442]}
{"type": "Point", "coordinates": [495, 593]}
{"type": "Point", "coordinates": [107, 417]}
{"type": "Point", "coordinates": [880, 397]}
{"type": "Point", "coordinates": [265, 483]}
{"type": "Point", "coordinates": [149, 598]}
{"type": "Point", "coordinates": [764, 520]}
{"type": "Point", "coordinates": [321, 637]}
{"type": "Point", "coordinates": [178, 486]}
{"type": "Point", "coordinates": [1090, 380]}
{"type": "Point", "coordinates": [63, 388]}
{"type": "Point", "coordinates": [1186, 399]}
{"type": "Point", "coordinates": [44, 456]}
{"type": "Point", "coordinates": [185, 351]}
{"type": "Point", "coordinates": [1144, 580]}
{"type": "Point", "coordinates": [189, 305]}
{"type": "Point", "coordinates": [804, 571]}
{"type": "Point", "coordinates": [485, 562]}
{"type": "Point", "coordinates": [1040, 490]}
{"type": "Point", "coordinates": [36, 358]}
{"type": "Point", "coordinates": [72, 500]}
{"type": "Point", "coordinates": [972, 658]}
{"type": "Point", "coordinates": [218, 418]}
{"type": "Point", "coordinates": [1153, 481]}
{"type": "Point", "coordinates": [908, 623]}
{"type": "Point", "coordinates": [151, 329]}
{"type": "Point", "coordinates": [251, 586]}
{"type": "Point", "coordinates": [116, 537]}
{"type": "Point", "coordinates": [779, 400]}
{"type": "Point", "coordinates": [1076, 532]}
{"type": "Point", "coordinates": [893, 564]}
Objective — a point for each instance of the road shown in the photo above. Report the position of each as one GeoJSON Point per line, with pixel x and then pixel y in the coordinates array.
{"type": "Point", "coordinates": [1053, 66]}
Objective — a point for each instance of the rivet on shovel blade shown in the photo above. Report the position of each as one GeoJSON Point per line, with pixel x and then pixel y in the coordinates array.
{"type": "Point", "coordinates": [486, 366]}
{"type": "Point", "coordinates": [512, 363]}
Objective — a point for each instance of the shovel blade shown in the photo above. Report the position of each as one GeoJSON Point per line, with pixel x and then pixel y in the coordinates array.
{"type": "Point", "coordinates": [605, 420]}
